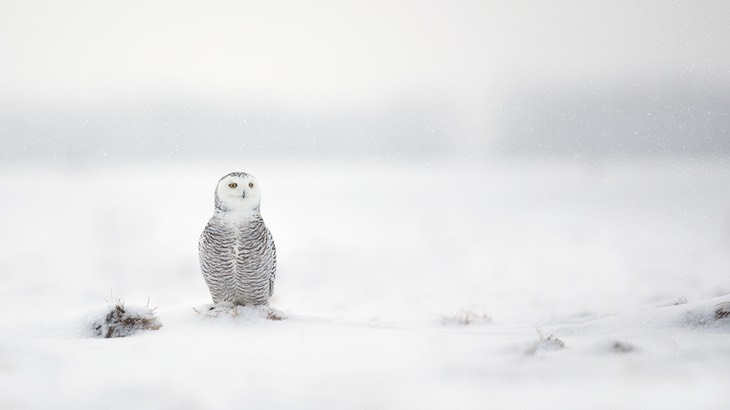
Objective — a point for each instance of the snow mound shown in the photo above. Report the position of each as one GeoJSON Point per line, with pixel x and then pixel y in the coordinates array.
{"type": "Point", "coordinates": [121, 321]}
{"type": "Point", "coordinates": [707, 314]}
{"type": "Point", "coordinates": [710, 314]}
{"type": "Point", "coordinates": [237, 311]}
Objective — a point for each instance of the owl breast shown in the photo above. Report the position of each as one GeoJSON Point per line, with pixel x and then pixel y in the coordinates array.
{"type": "Point", "coordinates": [238, 261]}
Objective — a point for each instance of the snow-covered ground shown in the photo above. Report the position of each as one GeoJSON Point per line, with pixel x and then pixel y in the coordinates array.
{"type": "Point", "coordinates": [623, 263]}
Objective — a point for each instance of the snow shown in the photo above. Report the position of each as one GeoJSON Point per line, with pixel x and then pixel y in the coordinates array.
{"type": "Point", "coordinates": [497, 284]}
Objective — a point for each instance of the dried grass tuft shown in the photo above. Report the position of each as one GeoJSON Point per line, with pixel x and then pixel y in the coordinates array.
{"type": "Point", "coordinates": [466, 317]}
{"type": "Point", "coordinates": [622, 347]}
{"type": "Point", "coordinates": [545, 344]}
{"type": "Point", "coordinates": [121, 321]}
{"type": "Point", "coordinates": [722, 310]}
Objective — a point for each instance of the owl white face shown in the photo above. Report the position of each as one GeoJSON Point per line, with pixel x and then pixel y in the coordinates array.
{"type": "Point", "coordinates": [239, 192]}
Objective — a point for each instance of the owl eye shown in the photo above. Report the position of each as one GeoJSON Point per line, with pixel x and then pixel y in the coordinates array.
{"type": "Point", "coordinates": [250, 184]}
{"type": "Point", "coordinates": [232, 185]}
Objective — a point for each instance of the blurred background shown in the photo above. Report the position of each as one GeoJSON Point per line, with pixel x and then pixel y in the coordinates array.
{"type": "Point", "coordinates": [84, 80]}
{"type": "Point", "coordinates": [551, 158]}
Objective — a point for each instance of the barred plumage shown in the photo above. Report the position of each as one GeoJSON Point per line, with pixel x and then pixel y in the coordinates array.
{"type": "Point", "coordinates": [237, 252]}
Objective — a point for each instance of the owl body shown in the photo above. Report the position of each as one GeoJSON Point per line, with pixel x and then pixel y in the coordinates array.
{"type": "Point", "coordinates": [236, 249]}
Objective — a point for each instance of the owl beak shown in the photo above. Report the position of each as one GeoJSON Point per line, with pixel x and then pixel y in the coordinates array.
{"type": "Point", "coordinates": [244, 194]}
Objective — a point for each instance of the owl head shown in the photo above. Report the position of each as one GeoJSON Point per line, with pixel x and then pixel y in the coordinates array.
{"type": "Point", "coordinates": [238, 193]}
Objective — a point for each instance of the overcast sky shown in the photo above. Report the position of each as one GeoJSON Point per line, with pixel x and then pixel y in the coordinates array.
{"type": "Point", "coordinates": [91, 76]}
{"type": "Point", "coordinates": [334, 51]}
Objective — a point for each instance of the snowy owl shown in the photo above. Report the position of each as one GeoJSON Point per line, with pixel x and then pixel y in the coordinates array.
{"type": "Point", "coordinates": [237, 253]}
